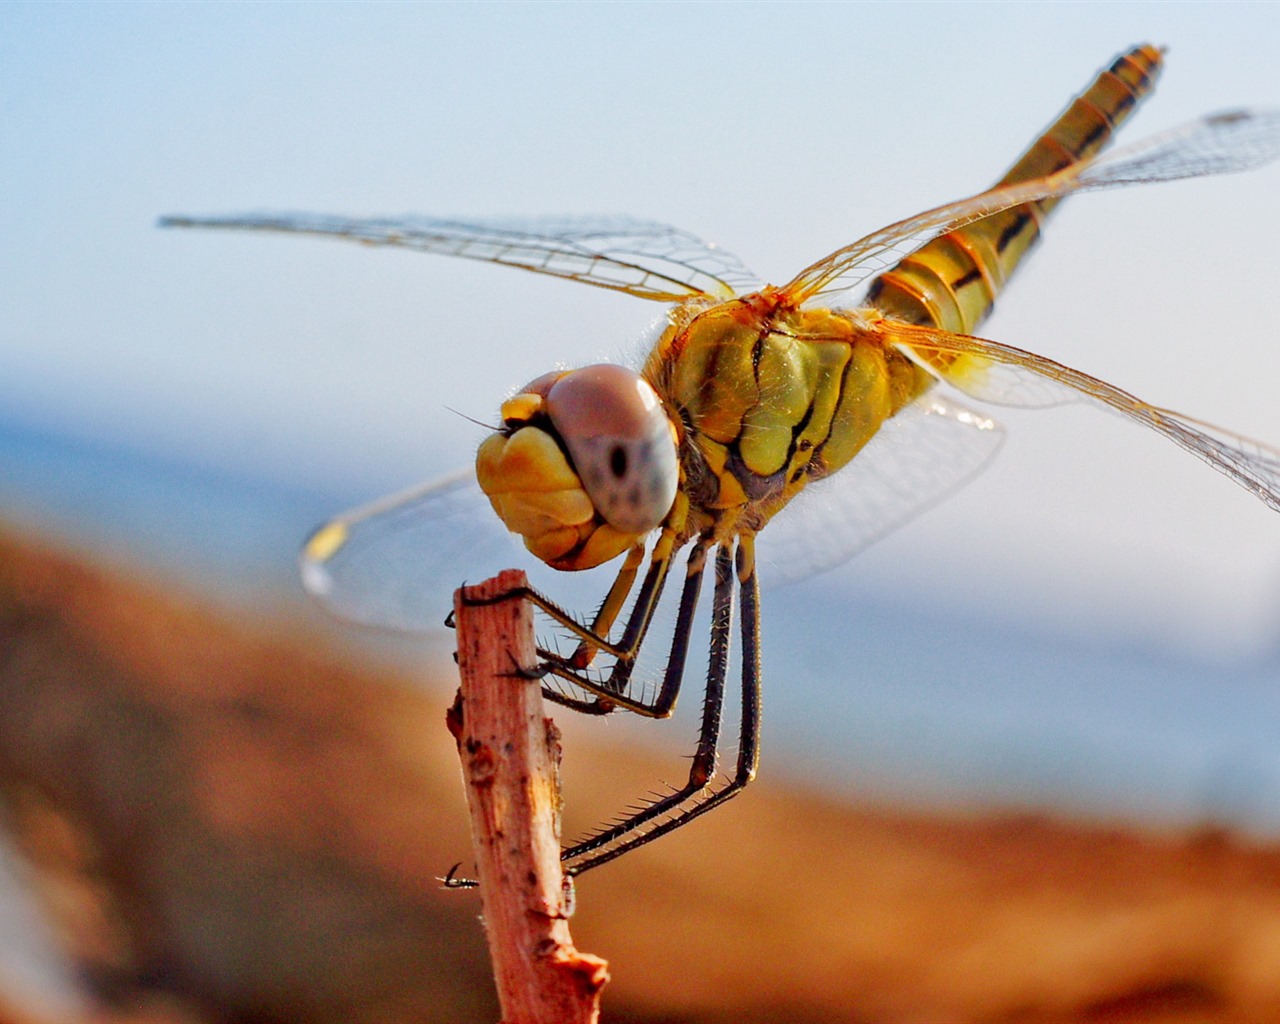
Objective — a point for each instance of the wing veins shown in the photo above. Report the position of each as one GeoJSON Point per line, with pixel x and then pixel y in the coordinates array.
{"type": "Point", "coordinates": [618, 263]}
{"type": "Point", "coordinates": [1215, 144]}
{"type": "Point", "coordinates": [1252, 464]}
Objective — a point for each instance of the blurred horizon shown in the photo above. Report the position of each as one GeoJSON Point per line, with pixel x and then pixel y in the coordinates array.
{"type": "Point", "coordinates": [984, 710]}
{"type": "Point", "coordinates": [1094, 618]}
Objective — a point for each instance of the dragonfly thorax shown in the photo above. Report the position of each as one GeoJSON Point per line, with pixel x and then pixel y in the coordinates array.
{"type": "Point", "coordinates": [584, 465]}
{"type": "Point", "coordinates": [771, 397]}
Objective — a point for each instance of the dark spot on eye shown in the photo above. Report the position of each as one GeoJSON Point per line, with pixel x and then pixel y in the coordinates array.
{"type": "Point", "coordinates": [633, 496]}
{"type": "Point", "coordinates": [618, 461]}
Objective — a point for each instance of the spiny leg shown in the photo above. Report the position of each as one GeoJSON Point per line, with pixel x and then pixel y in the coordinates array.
{"type": "Point", "coordinates": [670, 689]}
{"type": "Point", "coordinates": [673, 675]}
{"type": "Point", "coordinates": [704, 758]}
{"type": "Point", "coordinates": [748, 741]}
{"type": "Point", "coordinates": [586, 651]}
{"type": "Point", "coordinates": [594, 639]}
{"type": "Point", "coordinates": [611, 606]}
{"type": "Point", "coordinates": [665, 699]}
{"type": "Point", "coordinates": [749, 734]}
{"type": "Point", "coordinates": [610, 690]}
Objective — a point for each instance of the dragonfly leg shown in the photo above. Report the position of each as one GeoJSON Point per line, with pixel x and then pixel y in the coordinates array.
{"type": "Point", "coordinates": [611, 690]}
{"type": "Point", "coordinates": [665, 699]}
{"type": "Point", "coordinates": [594, 706]}
{"type": "Point", "coordinates": [611, 606]}
{"type": "Point", "coordinates": [683, 805]}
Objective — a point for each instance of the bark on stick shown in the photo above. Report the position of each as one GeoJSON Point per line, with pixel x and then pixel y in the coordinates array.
{"type": "Point", "coordinates": [510, 753]}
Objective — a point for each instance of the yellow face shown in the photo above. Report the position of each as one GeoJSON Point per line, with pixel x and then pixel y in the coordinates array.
{"type": "Point", "coordinates": [584, 467]}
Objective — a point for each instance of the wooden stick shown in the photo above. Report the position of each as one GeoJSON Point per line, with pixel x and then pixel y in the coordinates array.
{"type": "Point", "coordinates": [510, 753]}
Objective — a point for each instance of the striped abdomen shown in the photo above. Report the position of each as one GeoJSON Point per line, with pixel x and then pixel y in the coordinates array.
{"type": "Point", "coordinates": [952, 281]}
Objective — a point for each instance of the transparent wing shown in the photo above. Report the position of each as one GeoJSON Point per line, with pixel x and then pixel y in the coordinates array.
{"type": "Point", "coordinates": [998, 373]}
{"type": "Point", "coordinates": [396, 562]}
{"type": "Point", "coordinates": [639, 257]}
{"type": "Point", "coordinates": [920, 456]}
{"type": "Point", "coordinates": [1217, 144]}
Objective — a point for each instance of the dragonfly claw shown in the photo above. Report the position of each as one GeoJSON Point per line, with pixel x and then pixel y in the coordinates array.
{"type": "Point", "coordinates": [538, 671]}
{"type": "Point", "coordinates": [452, 881]}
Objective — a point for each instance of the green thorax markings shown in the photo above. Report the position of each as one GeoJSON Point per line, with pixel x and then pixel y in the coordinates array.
{"type": "Point", "coordinates": [769, 397]}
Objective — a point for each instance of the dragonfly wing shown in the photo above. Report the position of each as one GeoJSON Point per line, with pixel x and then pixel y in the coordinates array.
{"type": "Point", "coordinates": [1217, 144]}
{"type": "Point", "coordinates": [920, 456]}
{"type": "Point", "coordinates": [396, 562]}
{"type": "Point", "coordinates": [1002, 374]}
{"type": "Point", "coordinates": [639, 257]}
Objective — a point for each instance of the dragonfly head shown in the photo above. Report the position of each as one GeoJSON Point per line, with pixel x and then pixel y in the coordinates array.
{"type": "Point", "coordinates": [584, 465]}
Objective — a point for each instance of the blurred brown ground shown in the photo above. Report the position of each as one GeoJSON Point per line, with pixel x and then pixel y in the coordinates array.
{"type": "Point", "coordinates": [230, 823]}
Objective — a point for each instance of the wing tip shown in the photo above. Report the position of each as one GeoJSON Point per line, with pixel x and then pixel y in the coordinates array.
{"type": "Point", "coordinates": [319, 550]}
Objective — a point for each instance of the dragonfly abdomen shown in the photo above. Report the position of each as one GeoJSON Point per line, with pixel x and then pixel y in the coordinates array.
{"type": "Point", "coordinates": [952, 282]}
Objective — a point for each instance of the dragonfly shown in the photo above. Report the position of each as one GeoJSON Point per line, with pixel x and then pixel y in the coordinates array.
{"type": "Point", "coordinates": [834, 402]}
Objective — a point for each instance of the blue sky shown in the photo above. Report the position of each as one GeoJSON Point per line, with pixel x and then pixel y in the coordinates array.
{"type": "Point", "coordinates": [781, 131]}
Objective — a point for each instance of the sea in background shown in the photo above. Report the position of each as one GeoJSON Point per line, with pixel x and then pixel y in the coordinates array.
{"type": "Point", "coordinates": [1090, 627]}
{"type": "Point", "coordinates": [870, 688]}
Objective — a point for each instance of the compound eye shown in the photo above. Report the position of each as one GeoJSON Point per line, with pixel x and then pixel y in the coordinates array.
{"type": "Point", "coordinates": [621, 443]}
